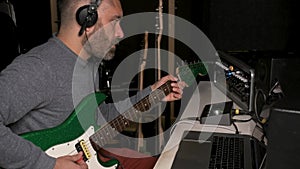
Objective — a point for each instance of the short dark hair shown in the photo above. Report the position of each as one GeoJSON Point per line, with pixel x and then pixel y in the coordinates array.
{"type": "Point", "coordinates": [66, 8]}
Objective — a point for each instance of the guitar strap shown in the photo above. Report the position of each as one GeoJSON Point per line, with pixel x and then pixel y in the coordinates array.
{"type": "Point", "coordinates": [110, 157]}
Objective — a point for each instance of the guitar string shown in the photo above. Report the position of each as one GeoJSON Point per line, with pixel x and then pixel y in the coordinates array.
{"type": "Point", "coordinates": [88, 144]}
{"type": "Point", "coordinates": [124, 121]}
{"type": "Point", "coordinates": [139, 104]}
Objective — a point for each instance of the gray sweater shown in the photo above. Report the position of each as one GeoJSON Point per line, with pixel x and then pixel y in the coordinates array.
{"type": "Point", "coordinates": [40, 90]}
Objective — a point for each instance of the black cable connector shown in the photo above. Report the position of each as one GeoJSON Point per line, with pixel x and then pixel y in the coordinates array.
{"type": "Point", "coordinates": [239, 112]}
{"type": "Point", "coordinates": [236, 128]}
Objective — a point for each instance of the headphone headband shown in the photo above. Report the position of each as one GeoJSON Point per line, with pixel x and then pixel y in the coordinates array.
{"type": "Point", "coordinates": [87, 15]}
{"type": "Point", "coordinates": [98, 2]}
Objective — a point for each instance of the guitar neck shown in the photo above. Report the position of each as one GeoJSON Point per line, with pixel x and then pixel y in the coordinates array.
{"type": "Point", "coordinates": [107, 132]}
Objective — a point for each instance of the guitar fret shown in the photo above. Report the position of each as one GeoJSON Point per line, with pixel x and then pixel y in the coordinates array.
{"type": "Point", "coordinates": [124, 122]}
{"type": "Point", "coordinates": [103, 142]}
{"type": "Point", "coordinates": [138, 113]}
{"type": "Point", "coordinates": [161, 95]}
{"type": "Point", "coordinates": [112, 132]}
{"type": "Point", "coordinates": [119, 126]}
{"type": "Point", "coordinates": [98, 139]}
{"type": "Point", "coordinates": [154, 98]}
{"type": "Point", "coordinates": [124, 116]}
{"type": "Point", "coordinates": [113, 128]}
{"type": "Point", "coordinates": [102, 137]}
{"type": "Point", "coordinates": [128, 115]}
{"type": "Point", "coordinates": [109, 131]}
{"type": "Point", "coordinates": [134, 112]}
{"type": "Point", "coordinates": [167, 88]}
{"type": "Point", "coordinates": [113, 125]}
{"type": "Point", "coordinates": [119, 123]}
{"type": "Point", "coordinates": [140, 106]}
{"type": "Point", "coordinates": [146, 105]}
{"type": "Point", "coordinates": [115, 132]}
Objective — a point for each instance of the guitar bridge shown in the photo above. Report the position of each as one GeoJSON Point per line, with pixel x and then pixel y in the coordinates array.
{"type": "Point", "coordinates": [81, 146]}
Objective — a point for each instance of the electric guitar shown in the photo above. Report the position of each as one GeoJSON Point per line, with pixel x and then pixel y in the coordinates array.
{"type": "Point", "coordinates": [79, 132]}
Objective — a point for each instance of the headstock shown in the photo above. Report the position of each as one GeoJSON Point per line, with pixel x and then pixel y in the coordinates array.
{"type": "Point", "coordinates": [189, 72]}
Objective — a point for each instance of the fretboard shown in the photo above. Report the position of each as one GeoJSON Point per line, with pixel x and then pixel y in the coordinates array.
{"type": "Point", "coordinates": [107, 132]}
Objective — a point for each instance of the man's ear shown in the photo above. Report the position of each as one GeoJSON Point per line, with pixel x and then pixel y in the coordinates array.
{"type": "Point", "coordinates": [90, 29]}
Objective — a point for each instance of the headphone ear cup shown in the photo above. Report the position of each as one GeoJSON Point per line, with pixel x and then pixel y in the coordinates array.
{"type": "Point", "coordinates": [87, 15]}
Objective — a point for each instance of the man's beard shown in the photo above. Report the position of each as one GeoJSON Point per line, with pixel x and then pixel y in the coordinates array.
{"type": "Point", "coordinates": [110, 54]}
{"type": "Point", "coordinates": [101, 45]}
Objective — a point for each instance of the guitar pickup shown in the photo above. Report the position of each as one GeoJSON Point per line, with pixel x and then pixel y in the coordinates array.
{"type": "Point", "coordinates": [81, 146]}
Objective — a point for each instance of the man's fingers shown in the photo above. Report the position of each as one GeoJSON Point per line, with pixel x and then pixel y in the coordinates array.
{"type": "Point", "coordinates": [177, 96]}
{"type": "Point", "coordinates": [172, 78]}
{"type": "Point", "coordinates": [76, 157]}
{"type": "Point", "coordinates": [82, 164]}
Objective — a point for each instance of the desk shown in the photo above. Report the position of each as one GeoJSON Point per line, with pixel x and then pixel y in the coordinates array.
{"type": "Point", "coordinates": [206, 93]}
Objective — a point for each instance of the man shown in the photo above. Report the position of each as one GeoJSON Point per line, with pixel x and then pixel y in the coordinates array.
{"type": "Point", "coordinates": [40, 89]}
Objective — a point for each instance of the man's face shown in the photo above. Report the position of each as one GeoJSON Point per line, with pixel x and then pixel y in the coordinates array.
{"type": "Point", "coordinates": [108, 31]}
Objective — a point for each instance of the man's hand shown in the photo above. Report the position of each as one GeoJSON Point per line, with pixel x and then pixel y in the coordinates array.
{"type": "Point", "coordinates": [177, 87]}
{"type": "Point", "coordinates": [70, 162]}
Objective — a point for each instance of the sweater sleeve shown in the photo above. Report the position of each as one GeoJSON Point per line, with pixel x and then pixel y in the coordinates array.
{"type": "Point", "coordinates": [19, 153]}
{"type": "Point", "coordinates": [22, 89]}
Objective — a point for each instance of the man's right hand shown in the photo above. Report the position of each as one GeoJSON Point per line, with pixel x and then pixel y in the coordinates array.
{"type": "Point", "coordinates": [71, 162]}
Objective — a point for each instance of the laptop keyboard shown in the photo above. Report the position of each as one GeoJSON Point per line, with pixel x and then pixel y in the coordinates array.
{"type": "Point", "coordinates": [227, 153]}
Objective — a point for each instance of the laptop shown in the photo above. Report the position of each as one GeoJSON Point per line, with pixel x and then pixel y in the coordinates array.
{"type": "Point", "coordinates": [206, 150]}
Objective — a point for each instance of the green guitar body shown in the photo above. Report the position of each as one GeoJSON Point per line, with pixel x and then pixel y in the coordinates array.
{"type": "Point", "coordinates": [72, 128]}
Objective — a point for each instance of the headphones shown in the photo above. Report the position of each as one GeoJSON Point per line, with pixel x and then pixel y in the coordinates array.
{"type": "Point", "coordinates": [87, 16]}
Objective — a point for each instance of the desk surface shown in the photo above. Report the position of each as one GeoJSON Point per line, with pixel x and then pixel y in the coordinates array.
{"type": "Point", "coordinates": [206, 93]}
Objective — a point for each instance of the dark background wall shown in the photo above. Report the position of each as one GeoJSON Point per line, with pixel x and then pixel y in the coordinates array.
{"type": "Point", "coordinates": [245, 25]}
{"type": "Point", "coordinates": [230, 24]}
{"type": "Point", "coordinates": [33, 22]}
